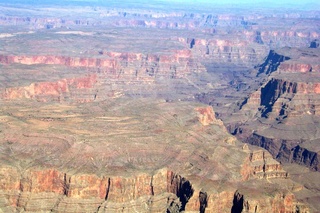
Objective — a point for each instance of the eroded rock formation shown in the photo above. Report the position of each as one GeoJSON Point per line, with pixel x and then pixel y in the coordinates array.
{"type": "Point", "coordinates": [287, 102]}
{"type": "Point", "coordinates": [38, 177]}
{"type": "Point", "coordinates": [99, 115]}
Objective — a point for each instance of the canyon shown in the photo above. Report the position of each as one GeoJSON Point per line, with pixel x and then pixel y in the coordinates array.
{"type": "Point", "coordinates": [286, 106]}
{"type": "Point", "coordinates": [146, 108]}
{"type": "Point", "coordinates": [122, 165]}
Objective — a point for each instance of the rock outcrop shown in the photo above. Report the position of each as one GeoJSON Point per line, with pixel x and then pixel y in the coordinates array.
{"type": "Point", "coordinates": [271, 63]}
{"type": "Point", "coordinates": [54, 91]}
{"type": "Point", "coordinates": [286, 107]}
{"type": "Point", "coordinates": [120, 64]}
{"type": "Point", "coordinates": [240, 52]}
{"type": "Point", "coordinates": [49, 168]}
{"type": "Point", "coordinates": [99, 74]}
{"type": "Point", "coordinates": [99, 114]}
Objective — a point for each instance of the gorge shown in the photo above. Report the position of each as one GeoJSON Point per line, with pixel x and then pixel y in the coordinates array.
{"type": "Point", "coordinates": [139, 107]}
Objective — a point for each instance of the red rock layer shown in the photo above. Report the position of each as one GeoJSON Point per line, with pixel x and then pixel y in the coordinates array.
{"type": "Point", "coordinates": [66, 193]}
{"type": "Point", "coordinates": [280, 96]}
{"type": "Point", "coordinates": [222, 50]}
{"type": "Point", "coordinates": [50, 89]}
{"type": "Point", "coordinates": [177, 64]}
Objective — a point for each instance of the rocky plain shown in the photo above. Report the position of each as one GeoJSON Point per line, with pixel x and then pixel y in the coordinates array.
{"type": "Point", "coordinates": [159, 107]}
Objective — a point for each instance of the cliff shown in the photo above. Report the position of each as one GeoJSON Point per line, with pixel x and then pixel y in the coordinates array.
{"type": "Point", "coordinates": [305, 153]}
{"type": "Point", "coordinates": [239, 23]}
{"type": "Point", "coordinates": [283, 112]}
{"type": "Point", "coordinates": [105, 159]}
{"type": "Point", "coordinates": [50, 190]}
{"type": "Point", "coordinates": [98, 75]}
{"type": "Point", "coordinates": [178, 64]}
{"type": "Point", "coordinates": [99, 112]}
{"type": "Point", "coordinates": [271, 63]}
{"type": "Point", "coordinates": [227, 50]}
{"type": "Point", "coordinates": [52, 90]}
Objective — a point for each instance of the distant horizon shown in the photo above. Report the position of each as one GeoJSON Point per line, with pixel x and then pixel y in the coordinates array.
{"type": "Point", "coordinates": [306, 4]}
{"type": "Point", "coordinates": [246, 1]}
{"type": "Point", "coordinates": [258, 3]}
{"type": "Point", "coordinates": [213, 2]}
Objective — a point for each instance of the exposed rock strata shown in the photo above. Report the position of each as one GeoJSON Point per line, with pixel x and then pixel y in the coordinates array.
{"type": "Point", "coordinates": [136, 65]}
{"type": "Point", "coordinates": [51, 90]}
{"type": "Point", "coordinates": [99, 74]}
{"type": "Point", "coordinates": [271, 63]}
{"type": "Point", "coordinates": [143, 155]}
{"type": "Point", "coordinates": [240, 52]}
{"type": "Point", "coordinates": [107, 179]}
{"type": "Point", "coordinates": [287, 110]}
{"type": "Point", "coordinates": [256, 28]}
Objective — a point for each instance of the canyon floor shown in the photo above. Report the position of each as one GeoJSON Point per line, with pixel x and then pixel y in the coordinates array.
{"type": "Point", "coordinates": [156, 108]}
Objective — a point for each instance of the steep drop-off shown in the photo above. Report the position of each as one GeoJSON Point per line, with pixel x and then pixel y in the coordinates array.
{"type": "Point", "coordinates": [283, 115]}
{"type": "Point", "coordinates": [98, 109]}
{"type": "Point", "coordinates": [110, 157]}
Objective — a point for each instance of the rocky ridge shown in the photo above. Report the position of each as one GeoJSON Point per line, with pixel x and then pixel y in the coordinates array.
{"type": "Point", "coordinates": [39, 178]}
{"type": "Point", "coordinates": [287, 102]}
{"type": "Point", "coordinates": [77, 142]}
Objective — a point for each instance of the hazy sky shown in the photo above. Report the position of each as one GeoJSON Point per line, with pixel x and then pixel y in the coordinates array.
{"type": "Point", "coordinates": [298, 4]}
{"type": "Point", "coordinates": [189, 1]}
{"type": "Point", "coordinates": [248, 1]}
{"type": "Point", "coordinates": [254, 2]}
{"type": "Point", "coordinates": [311, 4]}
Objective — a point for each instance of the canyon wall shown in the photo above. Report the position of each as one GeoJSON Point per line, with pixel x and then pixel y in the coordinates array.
{"type": "Point", "coordinates": [98, 74]}
{"type": "Point", "coordinates": [48, 190]}
{"type": "Point", "coordinates": [99, 109]}
{"type": "Point", "coordinates": [120, 64]}
{"type": "Point", "coordinates": [254, 28]}
{"type": "Point", "coordinates": [42, 170]}
{"type": "Point", "coordinates": [286, 108]}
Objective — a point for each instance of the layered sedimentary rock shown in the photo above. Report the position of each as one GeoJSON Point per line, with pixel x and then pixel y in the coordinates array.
{"type": "Point", "coordinates": [286, 108]}
{"type": "Point", "coordinates": [240, 52]}
{"type": "Point", "coordinates": [289, 31]}
{"type": "Point", "coordinates": [97, 74]}
{"type": "Point", "coordinates": [87, 171]}
{"type": "Point", "coordinates": [53, 90]}
{"type": "Point", "coordinates": [78, 135]}
{"type": "Point", "coordinates": [175, 65]}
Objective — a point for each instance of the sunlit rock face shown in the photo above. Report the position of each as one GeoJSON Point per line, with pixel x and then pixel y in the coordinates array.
{"type": "Point", "coordinates": [286, 106]}
{"type": "Point", "coordinates": [111, 159]}
{"type": "Point", "coordinates": [100, 108]}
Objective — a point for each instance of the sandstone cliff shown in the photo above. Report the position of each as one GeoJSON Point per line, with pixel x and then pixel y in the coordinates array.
{"type": "Point", "coordinates": [78, 135]}
{"type": "Point", "coordinates": [286, 107]}
{"type": "Point", "coordinates": [119, 64]}
{"type": "Point", "coordinates": [227, 50]}
{"type": "Point", "coordinates": [105, 159]}
{"type": "Point", "coordinates": [99, 74]}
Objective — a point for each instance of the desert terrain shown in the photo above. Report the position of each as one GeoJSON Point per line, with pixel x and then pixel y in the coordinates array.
{"type": "Point", "coordinates": [139, 107]}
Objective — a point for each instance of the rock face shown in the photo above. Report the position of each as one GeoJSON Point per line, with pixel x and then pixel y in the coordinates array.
{"type": "Point", "coordinates": [100, 113]}
{"type": "Point", "coordinates": [207, 116]}
{"type": "Point", "coordinates": [287, 102]}
{"type": "Point", "coordinates": [271, 63]}
{"type": "Point", "coordinates": [132, 65]}
{"type": "Point", "coordinates": [98, 74]}
{"type": "Point", "coordinates": [240, 52]}
{"type": "Point", "coordinates": [38, 177]}
{"type": "Point", "coordinates": [51, 90]}
{"type": "Point", "coordinates": [47, 190]}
